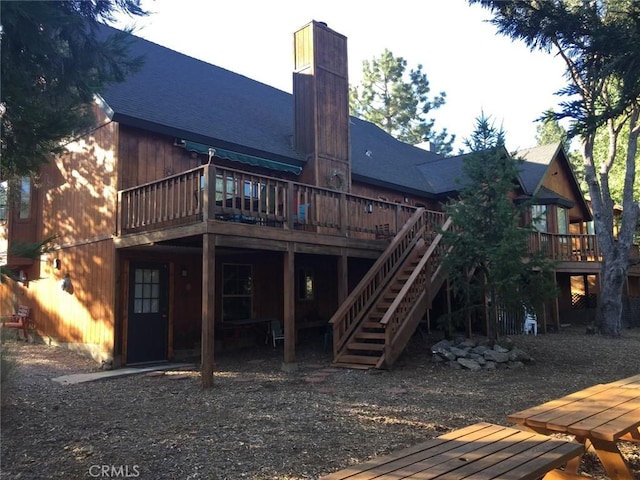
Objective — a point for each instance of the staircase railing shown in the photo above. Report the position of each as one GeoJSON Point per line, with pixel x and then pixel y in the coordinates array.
{"type": "Point", "coordinates": [364, 295]}
{"type": "Point", "coordinates": [413, 298]}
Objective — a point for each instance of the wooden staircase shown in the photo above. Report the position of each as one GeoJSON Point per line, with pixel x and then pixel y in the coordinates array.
{"type": "Point", "coordinates": [374, 324]}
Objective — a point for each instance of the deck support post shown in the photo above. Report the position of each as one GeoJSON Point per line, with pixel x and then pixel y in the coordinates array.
{"type": "Point", "coordinates": [343, 275]}
{"type": "Point", "coordinates": [208, 309]}
{"type": "Point", "coordinates": [289, 309]}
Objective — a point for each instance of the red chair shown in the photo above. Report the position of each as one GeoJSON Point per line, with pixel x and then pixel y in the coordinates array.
{"type": "Point", "coordinates": [19, 320]}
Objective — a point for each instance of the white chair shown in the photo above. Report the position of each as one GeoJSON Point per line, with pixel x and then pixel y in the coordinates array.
{"type": "Point", "coordinates": [530, 324]}
{"type": "Point", "coordinates": [276, 331]}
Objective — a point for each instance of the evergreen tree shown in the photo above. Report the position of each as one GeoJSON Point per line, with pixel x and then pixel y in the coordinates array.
{"type": "Point", "coordinates": [489, 256]}
{"type": "Point", "coordinates": [399, 103]}
{"type": "Point", "coordinates": [53, 60]}
{"type": "Point", "coordinates": [600, 45]}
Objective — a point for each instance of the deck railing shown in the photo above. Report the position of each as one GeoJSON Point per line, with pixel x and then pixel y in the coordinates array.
{"type": "Point", "coordinates": [215, 193]}
{"type": "Point", "coordinates": [577, 248]}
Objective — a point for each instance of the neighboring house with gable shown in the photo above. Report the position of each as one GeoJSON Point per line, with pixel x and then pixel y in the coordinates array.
{"type": "Point", "coordinates": [205, 204]}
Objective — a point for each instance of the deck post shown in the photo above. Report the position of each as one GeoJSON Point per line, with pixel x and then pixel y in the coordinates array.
{"type": "Point", "coordinates": [343, 273]}
{"type": "Point", "coordinates": [289, 309]}
{"type": "Point", "coordinates": [208, 308]}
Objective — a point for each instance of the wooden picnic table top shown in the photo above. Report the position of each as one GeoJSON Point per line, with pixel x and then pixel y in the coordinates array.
{"type": "Point", "coordinates": [604, 411]}
{"type": "Point", "coordinates": [482, 451]}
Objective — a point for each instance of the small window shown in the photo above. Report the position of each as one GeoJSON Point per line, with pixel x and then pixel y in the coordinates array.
{"type": "Point", "coordinates": [25, 198]}
{"type": "Point", "coordinates": [305, 284]}
{"type": "Point", "coordinates": [146, 296]}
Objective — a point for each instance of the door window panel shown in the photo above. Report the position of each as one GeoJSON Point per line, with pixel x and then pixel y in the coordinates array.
{"type": "Point", "coordinates": [146, 291]}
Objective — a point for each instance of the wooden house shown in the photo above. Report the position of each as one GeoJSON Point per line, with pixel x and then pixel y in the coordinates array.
{"type": "Point", "coordinates": [204, 204]}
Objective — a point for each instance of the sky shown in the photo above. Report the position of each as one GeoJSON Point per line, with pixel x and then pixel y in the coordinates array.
{"type": "Point", "coordinates": [461, 54]}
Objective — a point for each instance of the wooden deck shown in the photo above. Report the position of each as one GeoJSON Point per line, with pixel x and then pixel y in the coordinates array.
{"type": "Point", "coordinates": [213, 199]}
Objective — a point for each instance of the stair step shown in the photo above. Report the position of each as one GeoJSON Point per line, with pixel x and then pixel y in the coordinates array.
{"type": "Point", "coordinates": [375, 325]}
{"type": "Point", "coordinates": [370, 335]}
{"type": "Point", "coordinates": [359, 359]}
{"type": "Point", "coordinates": [367, 347]}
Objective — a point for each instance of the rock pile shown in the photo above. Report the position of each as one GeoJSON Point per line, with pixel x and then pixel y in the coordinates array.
{"type": "Point", "coordinates": [478, 353]}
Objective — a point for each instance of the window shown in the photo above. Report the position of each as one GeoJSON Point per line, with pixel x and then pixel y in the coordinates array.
{"type": "Point", "coordinates": [305, 284]}
{"type": "Point", "coordinates": [237, 292]}
{"type": "Point", "coordinates": [146, 291]}
{"type": "Point", "coordinates": [563, 221]}
{"type": "Point", "coordinates": [539, 217]}
{"type": "Point", "coordinates": [25, 198]}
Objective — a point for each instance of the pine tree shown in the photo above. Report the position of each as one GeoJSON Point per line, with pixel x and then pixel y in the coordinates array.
{"type": "Point", "coordinates": [399, 103]}
{"type": "Point", "coordinates": [53, 60]}
{"type": "Point", "coordinates": [488, 244]}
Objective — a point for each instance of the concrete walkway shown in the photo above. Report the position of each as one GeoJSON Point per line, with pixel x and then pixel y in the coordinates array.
{"type": "Point", "coordinates": [119, 372]}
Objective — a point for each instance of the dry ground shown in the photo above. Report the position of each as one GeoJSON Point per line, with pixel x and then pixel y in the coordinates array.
{"type": "Point", "coordinates": [259, 422]}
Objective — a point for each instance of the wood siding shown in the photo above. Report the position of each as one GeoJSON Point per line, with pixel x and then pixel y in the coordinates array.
{"type": "Point", "coordinates": [321, 106]}
{"type": "Point", "coordinates": [145, 157]}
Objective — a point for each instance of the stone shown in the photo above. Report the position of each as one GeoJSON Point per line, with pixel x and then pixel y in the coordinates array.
{"type": "Point", "coordinates": [499, 348]}
{"type": "Point", "coordinates": [446, 354]}
{"type": "Point", "coordinates": [441, 345]}
{"type": "Point", "coordinates": [460, 352]}
{"type": "Point", "coordinates": [470, 364]}
{"type": "Point", "coordinates": [495, 356]}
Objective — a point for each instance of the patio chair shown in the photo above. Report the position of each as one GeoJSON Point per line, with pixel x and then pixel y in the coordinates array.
{"type": "Point", "coordinates": [276, 331]}
{"type": "Point", "coordinates": [19, 320]}
{"type": "Point", "coordinates": [530, 324]}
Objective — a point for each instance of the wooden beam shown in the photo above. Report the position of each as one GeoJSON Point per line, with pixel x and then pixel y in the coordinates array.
{"type": "Point", "coordinates": [208, 308]}
{"type": "Point", "coordinates": [343, 275]}
{"type": "Point", "coordinates": [289, 305]}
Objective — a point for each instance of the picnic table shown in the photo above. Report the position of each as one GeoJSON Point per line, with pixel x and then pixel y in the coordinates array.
{"type": "Point", "coordinates": [599, 417]}
{"type": "Point", "coordinates": [481, 451]}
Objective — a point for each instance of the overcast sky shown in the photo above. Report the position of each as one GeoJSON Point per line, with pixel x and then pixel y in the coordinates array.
{"type": "Point", "coordinates": [460, 52]}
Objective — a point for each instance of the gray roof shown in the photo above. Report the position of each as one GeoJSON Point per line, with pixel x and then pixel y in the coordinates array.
{"type": "Point", "coordinates": [180, 96]}
{"type": "Point", "coordinates": [536, 162]}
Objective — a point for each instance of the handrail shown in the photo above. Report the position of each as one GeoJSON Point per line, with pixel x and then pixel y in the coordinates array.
{"type": "Point", "coordinates": [350, 313]}
{"type": "Point", "coordinates": [417, 272]}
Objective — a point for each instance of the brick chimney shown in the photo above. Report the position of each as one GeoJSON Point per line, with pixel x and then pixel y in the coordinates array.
{"type": "Point", "coordinates": [321, 106]}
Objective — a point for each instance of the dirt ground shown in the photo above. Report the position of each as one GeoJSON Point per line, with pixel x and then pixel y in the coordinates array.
{"type": "Point", "coordinates": [259, 422]}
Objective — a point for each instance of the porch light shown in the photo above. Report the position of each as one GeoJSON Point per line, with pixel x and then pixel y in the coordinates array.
{"type": "Point", "coordinates": [369, 208]}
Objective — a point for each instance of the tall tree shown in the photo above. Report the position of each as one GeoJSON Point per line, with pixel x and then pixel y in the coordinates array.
{"type": "Point", "coordinates": [488, 244]}
{"type": "Point", "coordinates": [600, 45]}
{"type": "Point", "coordinates": [398, 101]}
{"type": "Point", "coordinates": [549, 130]}
{"type": "Point", "coordinates": [53, 60]}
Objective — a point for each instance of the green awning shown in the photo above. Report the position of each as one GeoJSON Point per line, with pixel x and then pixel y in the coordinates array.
{"type": "Point", "coordinates": [241, 157]}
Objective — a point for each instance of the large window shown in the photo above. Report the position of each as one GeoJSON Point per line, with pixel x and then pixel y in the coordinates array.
{"type": "Point", "coordinates": [563, 221]}
{"type": "Point", "coordinates": [539, 217]}
{"type": "Point", "coordinates": [237, 292]}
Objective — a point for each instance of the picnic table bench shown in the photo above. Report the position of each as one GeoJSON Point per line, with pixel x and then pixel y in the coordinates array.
{"type": "Point", "coordinates": [481, 451]}
{"type": "Point", "coordinates": [598, 417]}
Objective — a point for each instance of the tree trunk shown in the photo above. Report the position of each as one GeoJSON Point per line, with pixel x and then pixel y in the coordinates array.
{"type": "Point", "coordinates": [614, 274]}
